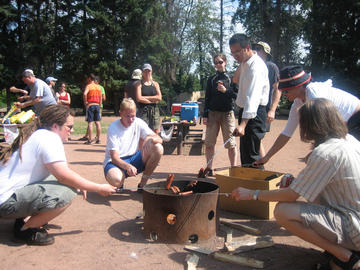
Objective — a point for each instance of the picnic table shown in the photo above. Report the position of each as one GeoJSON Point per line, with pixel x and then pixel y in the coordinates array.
{"type": "Point", "coordinates": [182, 136]}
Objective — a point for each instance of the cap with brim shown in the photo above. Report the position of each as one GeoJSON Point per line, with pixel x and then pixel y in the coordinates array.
{"type": "Point", "coordinates": [146, 66]}
{"type": "Point", "coordinates": [265, 46]}
{"type": "Point", "coordinates": [50, 79]}
{"type": "Point", "coordinates": [136, 75]}
{"type": "Point", "coordinates": [293, 76]}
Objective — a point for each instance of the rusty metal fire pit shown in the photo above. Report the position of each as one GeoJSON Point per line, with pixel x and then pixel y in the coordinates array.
{"type": "Point", "coordinates": [173, 218]}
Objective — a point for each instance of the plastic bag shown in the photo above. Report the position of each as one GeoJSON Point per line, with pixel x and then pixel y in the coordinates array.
{"type": "Point", "coordinates": [10, 133]}
{"type": "Point", "coordinates": [166, 134]}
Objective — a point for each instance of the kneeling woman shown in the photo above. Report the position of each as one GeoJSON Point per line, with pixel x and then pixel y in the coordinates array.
{"type": "Point", "coordinates": [330, 183]}
{"type": "Point", "coordinates": [36, 183]}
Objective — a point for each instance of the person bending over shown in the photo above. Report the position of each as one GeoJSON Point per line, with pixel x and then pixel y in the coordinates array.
{"type": "Point", "coordinates": [330, 182]}
{"type": "Point", "coordinates": [296, 84]}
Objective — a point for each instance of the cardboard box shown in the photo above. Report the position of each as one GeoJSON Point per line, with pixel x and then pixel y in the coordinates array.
{"type": "Point", "coordinates": [231, 178]}
{"type": "Point", "coordinates": [189, 111]}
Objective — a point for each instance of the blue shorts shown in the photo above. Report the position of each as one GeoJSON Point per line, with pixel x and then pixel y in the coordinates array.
{"type": "Point", "coordinates": [135, 160]}
{"type": "Point", "coordinates": [93, 113]}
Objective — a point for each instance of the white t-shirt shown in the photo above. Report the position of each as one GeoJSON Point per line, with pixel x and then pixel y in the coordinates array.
{"type": "Point", "coordinates": [343, 101]}
{"type": "Point", "coordinates": [253, 86]}
{"type": "Point", "coordinates": [42, 147]}
{"type": "Point", "coordinates": [125, 140]}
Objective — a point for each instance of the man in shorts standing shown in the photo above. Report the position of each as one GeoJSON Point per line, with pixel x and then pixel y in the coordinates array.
{"type": "Point", "coordinates": [123, 157]}
{"type": "Point", "coordinates": [93, 99]}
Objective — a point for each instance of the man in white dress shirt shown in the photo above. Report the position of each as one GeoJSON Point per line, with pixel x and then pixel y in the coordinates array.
{"type": "Point", "coordinates": [252, 98]}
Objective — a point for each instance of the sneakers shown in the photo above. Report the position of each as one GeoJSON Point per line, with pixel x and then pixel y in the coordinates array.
{"type": "Point", "coordinates": [34, 236]}
{"type": "Point", "coordinates": [97, 140]}
{"type": "Point", "coordinates": [83, 139]}
{"type": "Point", "coordinates": [88, 142]}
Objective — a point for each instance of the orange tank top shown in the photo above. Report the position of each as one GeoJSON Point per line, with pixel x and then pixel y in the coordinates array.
{"type": "Point", "coordinates": [94, 94]}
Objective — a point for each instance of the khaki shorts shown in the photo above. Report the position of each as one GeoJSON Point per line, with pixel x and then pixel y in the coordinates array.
{"type": "Point", "coordinates": [326, 222]}
{"type": "Point", "coordinates": [223, 120]}
{"type": "Point", "coordinates": [36, 198]}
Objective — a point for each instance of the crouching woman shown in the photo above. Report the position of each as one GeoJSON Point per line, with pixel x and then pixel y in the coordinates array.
{"type": "Point", "coordinates": [330, 182]}
{"type": "Point", "coordinates": [36, 184]}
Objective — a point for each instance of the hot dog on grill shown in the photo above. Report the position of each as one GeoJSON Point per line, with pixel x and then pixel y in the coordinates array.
{"type": "Point", "coordinates": [169, 180]}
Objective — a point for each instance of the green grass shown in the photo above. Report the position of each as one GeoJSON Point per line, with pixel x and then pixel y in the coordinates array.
{"type": "Point", "coordinates": [80, 127]}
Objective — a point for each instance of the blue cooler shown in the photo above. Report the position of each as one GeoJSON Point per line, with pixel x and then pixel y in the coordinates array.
{"type": "Point", "coordinates": [189, 111]}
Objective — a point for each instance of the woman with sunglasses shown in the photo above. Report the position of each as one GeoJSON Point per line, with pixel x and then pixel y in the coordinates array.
{"type": "Point", "coordinates": [36, 183]}
{"type": "Point", "coordinates": [219, 112]}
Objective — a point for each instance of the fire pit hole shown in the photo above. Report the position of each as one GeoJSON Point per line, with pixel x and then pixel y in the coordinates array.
{"type": "Point", "coordinates": [154, 236]}
{"type": "Point", "coordinates": [193, 238]}
{"type": "Point", "coordinates": [211, 215]}
{"type": "Point", "coordinates": [171, 219]}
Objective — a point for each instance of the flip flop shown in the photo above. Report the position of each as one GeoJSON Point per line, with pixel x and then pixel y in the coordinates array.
{"type": "Point", "coordinates": [354, 259]}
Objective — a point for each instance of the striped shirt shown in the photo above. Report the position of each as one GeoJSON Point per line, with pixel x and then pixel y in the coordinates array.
{"type": "Point", "coordinates": [332, 178]}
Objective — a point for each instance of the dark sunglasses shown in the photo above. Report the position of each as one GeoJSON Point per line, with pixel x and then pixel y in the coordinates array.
{"type": "Point", "coordinates": [220, 62]}
{"type": "Point", "coordinates": [69, 126]}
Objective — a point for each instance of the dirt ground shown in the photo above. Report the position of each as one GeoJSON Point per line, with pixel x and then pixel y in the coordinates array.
{"type": "Point", "coordinates": [104, 233]}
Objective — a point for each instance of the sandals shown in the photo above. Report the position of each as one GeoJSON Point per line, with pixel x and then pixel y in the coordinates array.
{"type": "Point", "coordinates": [354, 259]}
{"type": "Point", "coordinates": [119, 189]}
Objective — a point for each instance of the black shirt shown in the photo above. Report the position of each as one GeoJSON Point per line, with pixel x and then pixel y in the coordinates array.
{"type": "Point", "coordinates": [216, 100]}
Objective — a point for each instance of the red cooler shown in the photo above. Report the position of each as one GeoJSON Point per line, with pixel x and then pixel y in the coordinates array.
{"type": "Point", "coordinates": [175, 107]}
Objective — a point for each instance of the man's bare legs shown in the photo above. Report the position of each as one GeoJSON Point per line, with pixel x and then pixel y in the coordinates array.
{"type": "Point", "coordinates": [98, 130]}
{"type": "Point", "coordinates": [151, 156]}
{"type": "Point", "coordinates": [42, 218]}
{"type": "Point", "coordinates": [90, 131]}
{"type": "Point", "coordinates": [115, 177]}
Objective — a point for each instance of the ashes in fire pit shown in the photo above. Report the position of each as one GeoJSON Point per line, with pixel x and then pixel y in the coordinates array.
{"type": "Point", "coordinates": [175, 218]}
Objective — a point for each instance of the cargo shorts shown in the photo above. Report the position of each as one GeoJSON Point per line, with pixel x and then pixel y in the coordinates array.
{"type": "Point", "coordinates": [38, 197]}
{"type": "Point", "coordinates": [151, 115]}
{"type": "Point", "coordinates": [327, 222]}
{"type": "Point", "coordinates": [223, 120]}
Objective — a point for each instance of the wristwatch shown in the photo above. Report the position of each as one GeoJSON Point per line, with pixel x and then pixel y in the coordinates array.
{"type": "Point", "coordinates": [256, 195]}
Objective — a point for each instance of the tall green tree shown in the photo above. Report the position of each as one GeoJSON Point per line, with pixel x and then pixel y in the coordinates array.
{"type": "Point", "coordinates": [334, 42]}
{"type": "Point", "coordinates": [278, 22]}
